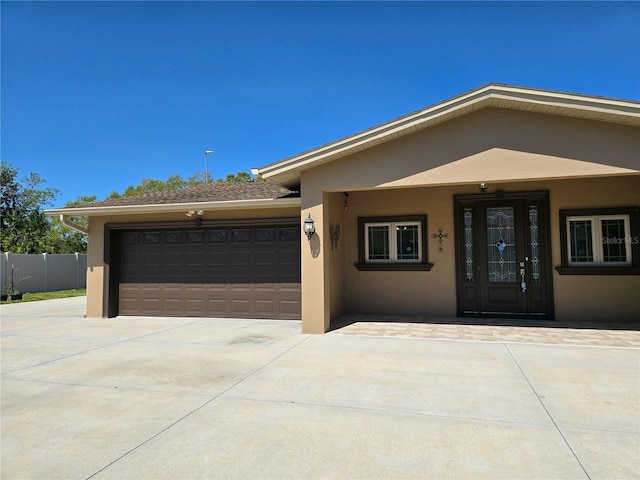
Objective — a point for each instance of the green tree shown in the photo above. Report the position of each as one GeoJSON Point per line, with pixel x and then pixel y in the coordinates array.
{"type": "Point", "coordinates": [176, 182]}
{"type": "Point", "coordinates": [23, 226]}
{"type": "Point", "coordinates": [62, 239]}
{"type": "Point", "coordinates": [239, 177]}
{"type": "Point", "coordinates": [150, 185]}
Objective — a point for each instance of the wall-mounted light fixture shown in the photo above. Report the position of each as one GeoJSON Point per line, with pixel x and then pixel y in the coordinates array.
{"type": "Point", "coordinates": [346, 198]}
{"type": "Point", "coordinates": [309, 228]}
{"type": "Point", "coordinates": [483, 186]}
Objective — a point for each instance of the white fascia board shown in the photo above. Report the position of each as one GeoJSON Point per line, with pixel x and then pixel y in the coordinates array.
{"type": "Point", "coordinates": [570, 100]}
{"type": "Point", "coordinates": [175, 207]}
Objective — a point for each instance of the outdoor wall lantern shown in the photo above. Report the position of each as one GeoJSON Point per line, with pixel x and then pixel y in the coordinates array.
{"type": "Point", "coordinates": [309, 228]}
{"type": "Point", "coordinates": [483, 187]}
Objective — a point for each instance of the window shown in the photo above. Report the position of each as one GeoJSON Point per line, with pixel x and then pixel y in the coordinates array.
{"type": "Point", "coordinates": [601, 241]}
{"type": "Point", "coordinates": [392, 243]}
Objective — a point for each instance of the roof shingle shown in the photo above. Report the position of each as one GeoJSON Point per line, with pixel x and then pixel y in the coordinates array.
{"type": "Point", "coordinates": [213, 192]}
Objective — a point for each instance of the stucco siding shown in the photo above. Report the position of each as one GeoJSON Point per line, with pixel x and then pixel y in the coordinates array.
{"type": "Point", "coordinates": [594, 297]}
{"type": "Point", "coordinates": [489, 145]}
{"type": "Point", "coordinates": [433, 293]}
{"type": "Point", "coordinates": [99, 271]}
{"type": "Point", "coordinates": [415, 293]}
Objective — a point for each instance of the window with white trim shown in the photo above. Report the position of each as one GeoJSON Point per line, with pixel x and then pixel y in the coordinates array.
{"type": "Point", "coordinates": [599, 240]}
{"type": "Point", "coordinates": [393, 242]}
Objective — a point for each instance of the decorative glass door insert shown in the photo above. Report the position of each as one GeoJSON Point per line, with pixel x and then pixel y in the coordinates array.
{"type": "Point", "coordinates": [501, 245]}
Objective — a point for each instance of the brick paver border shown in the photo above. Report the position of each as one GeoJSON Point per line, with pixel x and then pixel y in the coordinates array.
{"type": "Point", "coordinates": [610, 335]}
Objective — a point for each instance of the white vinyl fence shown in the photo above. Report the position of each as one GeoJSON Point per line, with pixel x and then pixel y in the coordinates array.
{"type": "Point", "coordinates": [43, 272]}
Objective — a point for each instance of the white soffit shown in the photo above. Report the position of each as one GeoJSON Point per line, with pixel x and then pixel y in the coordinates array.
{"type": "Point", "coordinates": [287, 171]}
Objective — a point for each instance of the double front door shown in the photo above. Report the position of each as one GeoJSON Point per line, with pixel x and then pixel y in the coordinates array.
{"type": "Point", "coordinates": [503, 255]}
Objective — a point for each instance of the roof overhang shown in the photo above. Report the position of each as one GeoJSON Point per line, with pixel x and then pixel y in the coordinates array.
{"type": "Point", "coordinates": [175, 207]}
{"type": "Point", "coordinates": [287, 171]}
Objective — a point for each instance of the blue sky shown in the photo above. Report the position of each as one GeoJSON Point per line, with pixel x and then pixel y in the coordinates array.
{"type": "Point", "coordinates": [97, 95]}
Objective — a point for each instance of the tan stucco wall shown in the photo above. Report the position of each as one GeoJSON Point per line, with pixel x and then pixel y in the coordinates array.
{"type": "Point", "coordinates": [316, 311]}
{"type": "Point", "coordinates": [593, 297]}
{"type": "Point", "coordinates": [414, 293]}
{"type": "Point", "coordinates": [492, 145]}
{"type": "Point", "coordinates": [337, 254]}
{"type": "Point", "coordinates": [581, 163]}
{"type": "Point", "coordinates": [98, 272]}
{"type": "Point", "coordinates": [433, 293]}
{"type": "Point", "coordinates": [589, 164]}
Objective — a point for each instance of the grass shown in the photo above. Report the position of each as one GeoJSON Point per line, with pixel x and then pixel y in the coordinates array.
{"type": "Point", "coordinates": [32, 297]}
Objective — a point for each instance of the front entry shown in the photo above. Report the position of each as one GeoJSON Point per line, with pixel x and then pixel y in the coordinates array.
{"type": "Point", "coordinates": [503, 255]}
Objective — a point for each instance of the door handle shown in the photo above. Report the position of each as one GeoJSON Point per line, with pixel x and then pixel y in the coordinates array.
{"type": "Point", "coordinates": [523, 282]}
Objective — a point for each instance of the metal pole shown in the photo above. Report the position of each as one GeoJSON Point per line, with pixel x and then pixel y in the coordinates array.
{"type": "Point", "coordinates": [206, 165]}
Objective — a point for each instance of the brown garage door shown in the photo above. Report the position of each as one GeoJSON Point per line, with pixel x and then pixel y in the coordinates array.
{"type": "Point", "coordinates": [238, 271]}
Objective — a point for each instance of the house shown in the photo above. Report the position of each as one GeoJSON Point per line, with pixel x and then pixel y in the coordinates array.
{"type": "Point", "coordinates": [501, 202]}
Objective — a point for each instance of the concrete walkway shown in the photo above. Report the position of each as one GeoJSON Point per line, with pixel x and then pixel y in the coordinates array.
{"type": "Point", "coordinates": [166, 398]}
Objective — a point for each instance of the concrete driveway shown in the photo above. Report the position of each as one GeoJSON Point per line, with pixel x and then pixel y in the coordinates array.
{"type": "Point", "coordinates": [169, 398]}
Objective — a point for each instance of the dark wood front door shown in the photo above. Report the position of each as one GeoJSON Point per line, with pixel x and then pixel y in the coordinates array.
{"type": "Point", "coordinates": [503, 255]}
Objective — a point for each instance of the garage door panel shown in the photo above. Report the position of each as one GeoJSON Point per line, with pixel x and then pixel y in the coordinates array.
{"type": "Point", "coordinates": [241, 259]}
{"type": "Point", "coordinates": [173, 259]}
{"type": "Point", "coordinates": [177, 279]}
{"type": "Point", "coordinates": [265, 307]}
{"type": "Point", "coordinates": [289, 310]}
{"type": "Point", "coordinates": [264, 290]}
{"type": "Point", "coordinates": [289, 258]}
{"type": "Point", "coordinates": [217, 308]}
{"type": "Point", "coordinates": [132, 261]}
{"type": "Point", "coordinates": [151, 238]}
{"type": "Point", "coordinates": [217, 235]}
{"type": "Point", "coordinates": [241, 308]}
{"type": "Point", "coordinates": [172, 307]}
{"type": "Point", "coordinates": [151, 260]}
{"type": "Point", "coordinates": [194, 291]}
{"type": "Point", "coordinates": [241, 235]}
{"type": "Point", "coordinates": [240, 290]}
{"type": "Point", "coordinates": [195, 259]}
{"type": "Point", "coordinates": [240, 281]}
{"type": "Point", "coordinates": [195, 308]}
{"type": "Point", "coordinates": [289, 280]}
{"type": "Point", "coordinates": [195, 237]}
{"type": "Point", "coordinates": [130, 238]}
{"type": "Point", "coordinates": [194, 278]}
{"type": "Point", "coordinates": [217, 259]}
{"type": "Point", "coordinates": [265, 258]}
{"type": "Point", "coordinates": [266, 234]}
{"type": "Point", "coordinates": [251, 272]}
